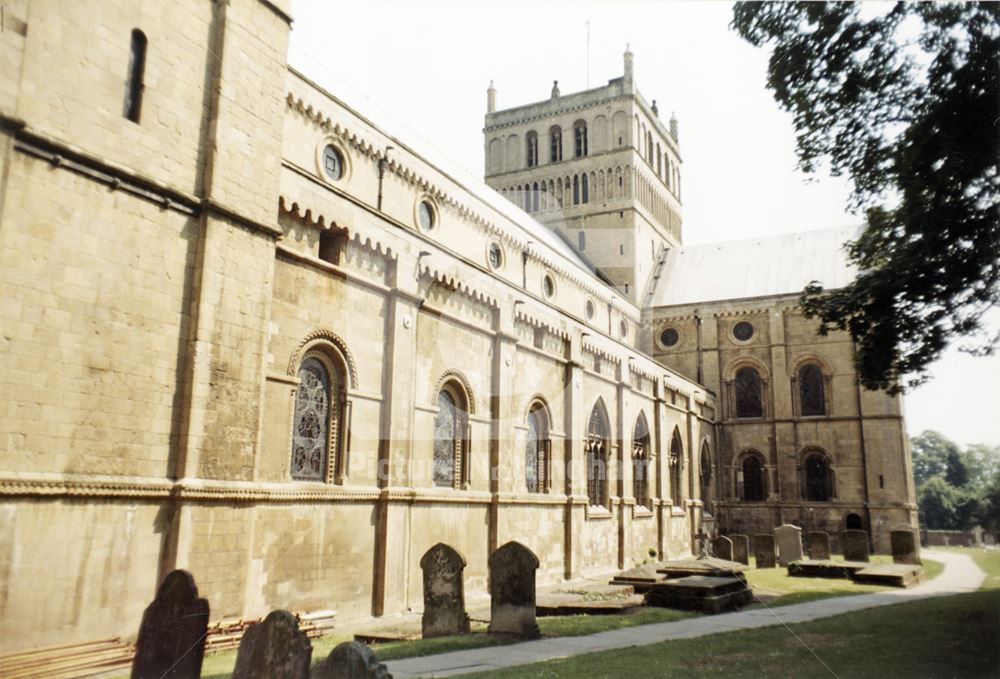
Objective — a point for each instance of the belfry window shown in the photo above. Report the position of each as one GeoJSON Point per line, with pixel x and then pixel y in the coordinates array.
{"type": "Point", "coordinates": [597, 458]}
{"type": "Point", "coordinates": [532, 138]}
{"type": "Point", "coordinates": [555, 144]}
{"type": "Point", "coordinates": [576, 189]}
{"type": "Point", "coordinates": [640, 463]}
{"type": "Point", "coordinates": [315, 421]}
{"type": "Point", "coordinates": [812, 400]}
{"type": "Point", "coordinates": [585, 189]}
{"type": "Point", "coordinates": [579, 139]}
{"type": "Point", "coordinates": [134, 84]}
{"type": "Point", "coordinates": [748, 393]}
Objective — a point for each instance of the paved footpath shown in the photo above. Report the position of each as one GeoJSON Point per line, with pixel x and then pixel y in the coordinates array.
{"type": "Point", "coordinates": [961, 574]}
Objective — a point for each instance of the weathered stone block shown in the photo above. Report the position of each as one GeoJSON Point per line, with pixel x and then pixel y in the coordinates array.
{"type": "Point", "coordinates": [818, 545]}
{"type": "Point", "coordinates": [789, 542]}
{"type": "Point", "coordinates": [905, 547]}
{"type": "Point", "coordinates": [512, 590]}
{"type": "Point", "coordinates": [855, 545]}
{"type": "Point", "coordinates": [741, 549]}
{"type": "Point", "coordinates": [274, 649]}
{"type": "Point", "coordinates": [171, 639]}
{"type": "Point", "coordinates": [444, 592]}
{"type": "Point", "coordinates": [763, 551]}
{"type": "Point", "coordinates": [722, 548]}
{"type": "Point", "coordinates": [351, 660]}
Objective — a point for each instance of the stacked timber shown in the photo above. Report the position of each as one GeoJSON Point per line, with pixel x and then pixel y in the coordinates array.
{"type": "Point", "coordinates": [68, 661]}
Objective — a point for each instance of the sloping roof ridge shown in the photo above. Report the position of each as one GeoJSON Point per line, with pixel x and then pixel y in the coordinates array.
{"type": "Point", "coordinates": [856, 228]}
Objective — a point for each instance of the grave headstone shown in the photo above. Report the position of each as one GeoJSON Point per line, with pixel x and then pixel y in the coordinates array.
{"type": "Point", "coordinates": [905, 549]}
{"type": "Point", "coordinates": [855, 545]}
{"type": "Point", "coordinates": [741, 549]}
{"type": "Point", "coordinates": [512, 590]}
{"type": "Point", "coordinates": [351, 660]}
{"type": "Point", "coordinates": [977, 536]}
{"type": "Point", "coordinates": [171, 640]}
{"type": "Point", "coordinates": [722, 548]}
{"type": "Point", "coordinates": [274, 649]}
{"type": "Point", "coordinates": [763, 550]}
{"type": "Point", "coordinates": [789, 541]}
{"type": "Point", "coordinates": [444, 592]}
{"type": "Point", "coordinates": [818, 545]}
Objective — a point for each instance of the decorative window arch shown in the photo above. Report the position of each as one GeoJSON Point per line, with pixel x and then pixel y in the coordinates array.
{"type": "Point", "coordinates": [598, 435]}
{"type": "Point", "coordinates": [555, 144]}
{"type": "Point", "coordinates": [576, 189]}
{"type": "Point", "coordinates": [585, 189]}
{"type": "Point", "coordinates": [134, 80]}
{"type": "Point", "coordinates": [641, 459]}
{"type": "Point", "coordinates": [318, 450]}
{"type": "Point", "coordinates": [579, 139]}
{"type": "Point", "coordinates": [532, 142]}
{"type": "Point", "coordinates": [676, 466]}
{"type": "Point", "coordinates": [818, 481]}
{"type": "Point", "coordinates": [451, 435]}
{"type": "Point", "coordinates": [747, 389]}
{"type": "Point", "coordinates": [706, 476]}
{"type": "Point", "coordinates": [538, 449]}
{"type": "Point", "coordinates": [751, 477]}
{"type": "Point", "coordinates": [811, 383]}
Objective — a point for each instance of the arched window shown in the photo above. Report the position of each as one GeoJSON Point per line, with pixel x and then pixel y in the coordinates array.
{"type": "Point", "coordinates": [751, 484]}
{"type": "Point", "coordinates": [555, 144]}
{"type": "Point", "coordinates": [537, 451]}
{"type": "Point", "coordinates": [676, 467]}
{"type": "Point", "coordinates": [534, 197]}
{"type": "Point", "coordinates": [576, 189]}
{"type": "Point", "coordinates": [581, 240]}
{"type": "Point", "coordinates": [579, 139]}
{"type": "Point", "coordinates": [812, 399]}
{"type": "Point", "coordinates": [317, 420]}
{"type": "Point", "coordinates": [134, 79]}
{"type": "Point", "coordinates": [649, 147]}
{"type": "Point", "coordinates": [532, 139]}
{"type": "Point", "coordinates": [817, 477]}
{"type": "Point", "coordinates": [659, 161]}
{"type": "Point", "coordinates": [853, 522]}
{"type": "Point", "coordinates": [585, 189]}
{"type": "Point", "coordinates": [640, 463]}
{"type": "Point", "coordinates": [450, 465]}
{"type": "Point", "coordinates": [597, 457]}
{"type": "Point", "coordinates": [748, 392]}
{"type": "Point", "coordinates": [706, 477]}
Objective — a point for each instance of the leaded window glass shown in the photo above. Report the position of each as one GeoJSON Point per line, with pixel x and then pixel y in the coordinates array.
{"type": "Point", "coordinates": [640, 462]}
{"type": "Point", "coordinates": [311, 434]}
{"type": "Point", "coordinates": [555, 145]}
{"type": "Point", "coordinates": [532, 455]}
{"type": "Point", "coordinates": [532, 149]}
{"type": "Point", "coordinates": [676, 453]}
{"type": "Point", "coordinates": [811, 396]}
{"type": "Point", "coordinates": [597, 459]}
{"type": "Point", "coordinates": [580, 139]}
{"type": "Point", "coordinates": [445, 440]}
{"type": "Point", "coordinates": [749, 401]}
{"type": "Point", "coordinates": [706, 477]}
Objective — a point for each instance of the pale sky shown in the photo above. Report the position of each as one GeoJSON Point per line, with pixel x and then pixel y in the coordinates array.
{"type": "Point", "coordinates": [425, 66]}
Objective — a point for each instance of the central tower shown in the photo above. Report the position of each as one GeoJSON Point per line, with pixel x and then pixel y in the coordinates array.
{"type": "Point", "coordinates": [597, 166]}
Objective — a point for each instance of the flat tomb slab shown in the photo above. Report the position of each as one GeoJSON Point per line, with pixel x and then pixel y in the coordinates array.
{"type": "Point", "coordinates": [612, 607]}
{"type": "Point", "coordinates": [700, 593]}
{"type": "Point", "coordinates": [639, 578]}
{"type": "Point", "coordinates": [826, 569]}
{"type": "Point", "coordinates": [709, 567]}
{"type": "Point", "coordinates": [893, 574]}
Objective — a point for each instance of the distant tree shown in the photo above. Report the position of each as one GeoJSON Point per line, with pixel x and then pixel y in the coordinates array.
{"type": "Point", "coordinates": [983, 463]}
{"type": "Point", "coordinates": [989, 508]}
{"type": "Point", "coordinates": [931, 451]}
{"type": "Point", "coordinates": [902, 100]}
{"type": "Point", "coordinates": [956, 474]}
{"type": "Point", "coordinates": [937, 505]}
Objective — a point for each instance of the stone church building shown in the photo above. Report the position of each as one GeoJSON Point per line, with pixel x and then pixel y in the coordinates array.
{"type": "Point", "coordinates": [248, 331]}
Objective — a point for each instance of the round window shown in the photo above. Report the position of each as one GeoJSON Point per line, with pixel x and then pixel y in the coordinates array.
{"type": "Point", "coordinates": [333, 163]}
{"type": "Point", "coordinates": [495, 255]}
{"type": "Point", "coordinates": [669, 337]}
{"type": "Point", "coordinates": [425, 215]}
{"type": "Point", "coordinates": [623, 327]}
{"type": "Point", "coordinates": [743, 331]}
{"type": "Point", "coordinates": [590, 309]}
{"type": "Point", "coordinates": [548, 286]}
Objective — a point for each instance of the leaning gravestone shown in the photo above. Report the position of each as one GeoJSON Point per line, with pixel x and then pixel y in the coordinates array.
{"type": "Point", "coordinates": [351, 660]}
{"type": "Point", "coordinates": [789, 539]}
{"type": "Point", "coordinates": [818, 545]}
{"type": "Point", "coordinates": [171, 639]}
{"type": "Point", "coordinates": [512, 590]}
{"type": "Point", "coordinates": [763, 550]}
{"type": "Point", "coordinates": [855, 545]}
{"type": "Point", "coordinates": [722, 548]}
{"type": "Point", "coordinates": [274, 649]}
{"type": "Point", "coordinates": [741, 549]}
{"type": "Point", "coordinates": [905, 548]}
{"type": "Point", "coordinates": [444, 592]}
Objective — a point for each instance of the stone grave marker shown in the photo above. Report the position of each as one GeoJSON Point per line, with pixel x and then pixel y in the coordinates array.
{"type": "Point", "coordinates": [905, 548]}
{"type": "Point", "coordinates": [722, 548]}
{"type": "Point", "coordinates": [818, 545]}
{"type": "Point", "coordinates": [977, 536]}
{"type": "Point", "coordinates": [444, 592]}
{"type": "Point", "coordinates": [855, 544]}
{"type": "Point", "coordinates": [789, 541]}
{"type": "Point", "coordinates": [741, 549]}
{"type": "Point", "coordinates": [171, 640]}
{"type": "Point", "coordinates": [763, 550]}
{"type": "Point", "coordinates": [274, 649]}
{"type": "Point", "coordinates": [351, 660]}
{"type": "Point", "coordinates": [512, 590]}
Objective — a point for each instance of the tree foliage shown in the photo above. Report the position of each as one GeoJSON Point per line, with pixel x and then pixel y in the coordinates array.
{"type": "Point", "coordinates": [956, 489]}
{"type": "Point", "coordinates": [904, 103]}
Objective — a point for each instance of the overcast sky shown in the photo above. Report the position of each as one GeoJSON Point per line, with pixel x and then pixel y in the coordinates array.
{"type": "Point", "coordinates": [425, 66]}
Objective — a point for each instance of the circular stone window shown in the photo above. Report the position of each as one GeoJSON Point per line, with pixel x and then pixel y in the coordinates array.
{"type": "Point", "coordinates": [743, 331]}
{"type": "Point", "coordinates": [590, 309]}
{"type": "Point", "coordinates": [333, 163]}
{"type": "Point", "coordinates": [494, 255]}
{"type": "Point", "coordinates": [548, 286]}
{"type": "Point", "coordinates": [623, 327]}
{"type": "Point", "coordinates": [669, 337]}
{"type": "Point", "coordinates": [426, 216]}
